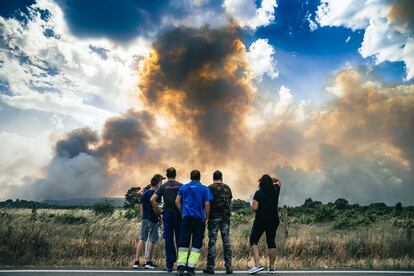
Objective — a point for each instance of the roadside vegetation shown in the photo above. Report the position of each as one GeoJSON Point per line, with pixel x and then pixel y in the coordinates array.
{"type": "Point", "coordinates": [320, 236]}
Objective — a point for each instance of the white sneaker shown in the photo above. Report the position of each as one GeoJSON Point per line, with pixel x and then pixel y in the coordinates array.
{"type": "Point", "coordinates": [149, 265]}
{"type": "Point", "coordinates": [271, 270]}
{"type": "Point", "coordinates": [255, 269]}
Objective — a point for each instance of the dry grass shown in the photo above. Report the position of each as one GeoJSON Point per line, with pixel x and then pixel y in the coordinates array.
{"type": "Point", "coordinates": [110, 242]}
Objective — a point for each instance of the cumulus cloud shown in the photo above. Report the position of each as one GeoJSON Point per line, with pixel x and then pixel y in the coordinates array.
{"type": "Point", "coordinates": [248, 15]}
{"type": "Point", "coordinates": [46, 68]}
{"type": "Point", "coordinates": [388, 27]}
{"type": "Point", "coordinates": [261, 57]}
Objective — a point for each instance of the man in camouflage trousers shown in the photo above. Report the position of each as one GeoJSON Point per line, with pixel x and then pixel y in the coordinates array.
{"type": "Point", "coordinates": [219, 219]}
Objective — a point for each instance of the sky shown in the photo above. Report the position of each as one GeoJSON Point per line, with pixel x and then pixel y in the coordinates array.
{"type": "Point", "coordinates": [97, 96]}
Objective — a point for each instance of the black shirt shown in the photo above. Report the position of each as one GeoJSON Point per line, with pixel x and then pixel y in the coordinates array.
{"type": "Point", "coordinates": [268, 201]}
{"type": "Point", "coordinates": [147, 210]}
{"type": "Point", "coordinates": [169, 191]}
{"type": "Point", "coordinates": [220, 205]}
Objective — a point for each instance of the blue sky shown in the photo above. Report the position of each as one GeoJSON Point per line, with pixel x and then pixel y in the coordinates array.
{"type": "Point", "coordinates": [67, 64]}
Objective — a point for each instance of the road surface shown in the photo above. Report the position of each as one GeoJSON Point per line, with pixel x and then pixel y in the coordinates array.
{"type": "Point", "coordinates": [92, 272]}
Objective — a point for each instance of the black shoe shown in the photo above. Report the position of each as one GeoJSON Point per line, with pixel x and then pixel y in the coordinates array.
{"type": "Point", "coordinates": [191, 272]}
{"type": "Point", "coordinates": [169, 269]}
{"type": "Point", "coordinates": [180, 271]}
{"type": "Point", "coordinates": [229, 270]}
{"type": "Point", "coordinates": [208, 270]}
{"type": "Point", "coordinates": [136, 265]}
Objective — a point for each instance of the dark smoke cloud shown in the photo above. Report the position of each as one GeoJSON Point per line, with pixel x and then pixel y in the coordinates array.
{"type": "Point", "coordinates": [402, 12]}
{"type": "Point", "coordinates": [199, 78]}
{"type": "Point", "coordinates": [77, 142]}
{"type": "Point", "coordinates": [357, 146]}
{"type": "Point", "coordinates": [83, 159]}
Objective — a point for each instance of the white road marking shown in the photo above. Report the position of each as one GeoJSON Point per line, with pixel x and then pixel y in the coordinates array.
{"type": "Point", "coordinates": [237, 271]}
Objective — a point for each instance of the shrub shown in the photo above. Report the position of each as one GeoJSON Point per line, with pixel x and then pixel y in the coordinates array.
{"type": "Point", "coordinates": [103, 208]}
{"type": "Point", "coordinates": [132, 213]}
{"type": "Point", "coordinates": [323, 213]}
{"type": "Point", "coordinates": [352, 218]}
{"type": "Point", "coordinates": [238, 204]}
{"type": "Point", "coordinates": [341, 203]}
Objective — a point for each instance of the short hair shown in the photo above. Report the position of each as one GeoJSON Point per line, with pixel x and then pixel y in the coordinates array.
{"type": "Point", "coordinates": [155, 181]}
{"type": "Point", "coordinates": [195, 175]}
{"type": "Point", "coordinates": [171, 172]}
{"type": "Point", "coordinates": [217, 175]}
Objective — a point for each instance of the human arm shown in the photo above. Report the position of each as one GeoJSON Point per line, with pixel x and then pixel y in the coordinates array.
{"type": "Point", "coordinates": [255, 205]}
{"type": "Point", "coordinates": [277, 181]}
{"type": "Point", "coordinates": [178, 202]}
{"type": "Point", "coordinates": [154, 204]}
{"type": "Point", "coordinates": [207, 207]}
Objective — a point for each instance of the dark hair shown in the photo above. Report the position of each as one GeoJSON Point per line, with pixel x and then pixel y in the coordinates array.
{"type": "Point", "coordinates": [171, 172]}
{"type": "Point", "coordinates": [155, 181]}
{"type": "Point", "coordinates": [217, 175]}
{"type": "Point", "coordinates": [265, 183]}
{"type": "Point", "coordinates": [195, 175]}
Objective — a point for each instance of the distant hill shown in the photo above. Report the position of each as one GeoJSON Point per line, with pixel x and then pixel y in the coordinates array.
{"type": "Point", "coordinates": [61, 203]}
{"type": "Point", "coordinates": [85, 201]}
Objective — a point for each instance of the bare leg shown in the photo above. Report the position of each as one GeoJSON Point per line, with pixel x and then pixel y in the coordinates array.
{"type": "Point", "coordinates": [140, 247]}
{"type": "Point", "coordinates": [150, 251]}
{"type": "Point", "coordinates": [272, 256]}
{"type": "Point", "coordinates": [255, 254]}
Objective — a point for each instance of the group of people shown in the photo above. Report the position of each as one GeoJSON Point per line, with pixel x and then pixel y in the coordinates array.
{"type": "Point", "coordinates": [188, 209]}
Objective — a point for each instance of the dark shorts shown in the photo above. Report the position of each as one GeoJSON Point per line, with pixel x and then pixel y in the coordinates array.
{"type": "Point", "coordinates": [268, 227]}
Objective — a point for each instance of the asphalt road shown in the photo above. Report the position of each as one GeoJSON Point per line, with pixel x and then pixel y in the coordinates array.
{"type": "Point", "coordinates": [61, 272]}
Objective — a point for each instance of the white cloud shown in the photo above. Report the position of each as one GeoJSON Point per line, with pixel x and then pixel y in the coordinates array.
{"type": "Point", "coordinates": [312, 24]}
{"type": "Point", "coordinates": [21, 157]}
{"type": "Point", "coordinates": [285, 100]}
{"type": "Point", "coordinates": [62, 73]}
{"type": "Point", "coordinates": [387, 36]}
{"type": "Point", "coordinates": [247, 15]}
{"type": "Point", "coordinates": [261, 59]}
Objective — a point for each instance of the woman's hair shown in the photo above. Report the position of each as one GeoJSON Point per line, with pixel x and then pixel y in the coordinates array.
{"type": "Point", "coordinates": [266, 183]}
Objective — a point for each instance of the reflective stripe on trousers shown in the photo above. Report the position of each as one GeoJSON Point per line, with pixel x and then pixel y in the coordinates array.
{"type": "Point", "coordinates": [182, 256]}
{"type": "Point", "coordinates": [193, 258]}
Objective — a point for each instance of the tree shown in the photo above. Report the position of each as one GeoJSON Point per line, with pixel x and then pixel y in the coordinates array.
{"type": "Point", "coordinates": [310, 204]}
{"type": "Point", "coordinates": [239, 204]}
{"type": "Point", "coordinates": [341, 203]}
{"type": "Point", "coordinates": [103, 208]}
{"type": "Point", "coordinates": [132, 197]}
{"type": "Point", "coordinates": [398, 208]}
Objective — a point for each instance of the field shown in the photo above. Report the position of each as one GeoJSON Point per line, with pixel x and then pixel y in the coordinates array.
{"type": "Point", "coordinates": [319, 237]}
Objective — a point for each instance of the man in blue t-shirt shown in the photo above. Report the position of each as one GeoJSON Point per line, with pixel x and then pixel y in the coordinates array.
{"type": "Point", "coordinates": [149, 225]}
{"type": "Point", "coordinates": [193, 201]}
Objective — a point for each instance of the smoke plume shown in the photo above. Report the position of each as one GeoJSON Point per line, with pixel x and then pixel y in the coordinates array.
{"type": "Point", "coordinates": [198, 81]}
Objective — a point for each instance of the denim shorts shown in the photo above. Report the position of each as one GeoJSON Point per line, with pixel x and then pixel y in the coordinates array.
{"type": "Point", "coordinates": [149, 231]}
